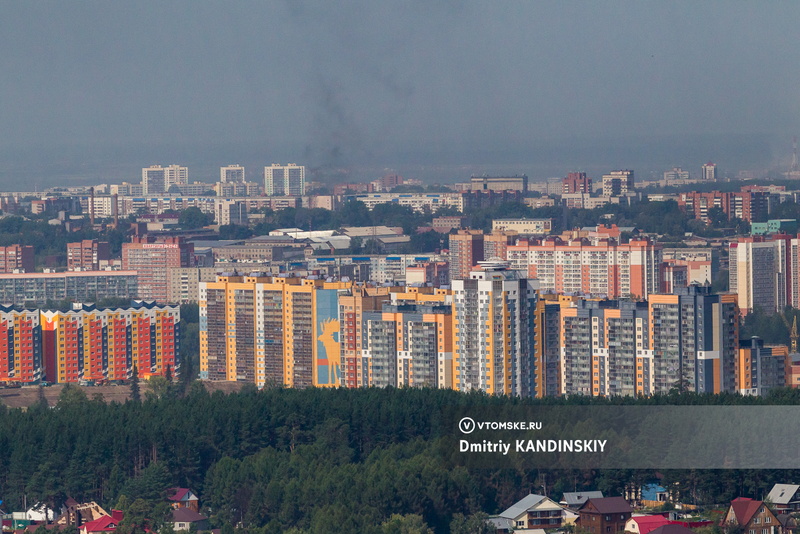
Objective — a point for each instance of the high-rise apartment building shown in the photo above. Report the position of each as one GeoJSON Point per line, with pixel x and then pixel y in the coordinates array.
{"type": "Point", "coordinates": [618, 183]}
{"type": "Point", "coordinates": [87, 255]}
{"type": "Point", "coordinates": [17, 258]}
{"type": "Point", "coordinates": [157, 179]}
{"type": "Point", "coordinates": [709, 171]}
{"type": "Point", "coordinates": [686, 341]}
{"type": "Point", "coordinates": [270, 330]}
{"type": "Point", "coordinates": [757, 273]}
{"type": "Point", "coordinates": [20, 346]}
{"type": "Point", "coordinates": [88, 344]}
{"type": "Point", "coordinates": [466, 250]}
{"type": "Point", "coordinates": [576, 182]}
{"type": "Point", "coordinates": [352, 307]}
{"type": "Point", "coordinates": [493, 326]}
{"type": "Point", "coordinates": [694, 339]}
{"type": "Point", "coordinates": [101, 344]}
{"type": "Point", "coordinates": [600, 267]}
{"type": "Point", "coordinates": [495, 245]}
{"type": "Point", "coordinates": [152, 258]}
{"type": "Point", "coordinates": [409, 341]}
{"type": "Point", "coordinates": [231, 174]}
{"type": "Point", "coordinates": [601, 344]}
{"type": "Point", "coordinates": [285, 180]}
{"type": "Point", "coordinates": [762, 368]}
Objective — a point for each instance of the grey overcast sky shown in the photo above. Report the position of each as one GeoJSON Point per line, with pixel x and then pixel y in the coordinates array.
{"type": "Point", "coordinates": [351, 82]}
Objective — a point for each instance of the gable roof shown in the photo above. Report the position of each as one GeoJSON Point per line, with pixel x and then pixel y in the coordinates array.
{"type": "Point", "coordinates": [185, 515]}
{"type": "Point", "coordinates": [648, 523]}
{"type": "Point", "coordinates": [782, 493]}
{"type": "Point", "coordinates": [521, 506]}
{"type": "Point", "coordinates": [180, 494]}
{"type": "Point", "coordinates": [573, 498]}
{"type": "Point", "coordinates": [105, 523]}
{"type": "Point", "coordinates": [610, 505]}
{"type": "Point", "coordinates": [744, 509]}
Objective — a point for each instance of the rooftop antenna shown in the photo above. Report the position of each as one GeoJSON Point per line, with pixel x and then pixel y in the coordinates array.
{"type": "Point", "coordinates": [795, 167]}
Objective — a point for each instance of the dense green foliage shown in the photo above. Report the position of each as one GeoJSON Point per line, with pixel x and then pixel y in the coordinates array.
{"type": "Point", "coordinates": [362, 460]}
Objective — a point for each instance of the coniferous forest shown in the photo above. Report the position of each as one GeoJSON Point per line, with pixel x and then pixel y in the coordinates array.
{"type": "Point", "coordinates": [277, 460]}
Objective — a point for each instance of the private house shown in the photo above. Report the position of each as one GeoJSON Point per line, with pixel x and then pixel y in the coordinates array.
{"type": "Point", "coordinates": [575, 499]}
{"type": "Point", "coordinates": [102, 525]}
{"type": "Point", "coordinates": [784, 498]}
{"type": "Point", "coordinates": [531, 513]}
{"type": "Point", "coordinates": [183, 519]}
{"type": "Point", "coordinates": [645, 524]}
{"type": "Point", "coordinates": [183, 498]}
{"type": "Point", "coordinates": [604, 516]}
{"type": "Point", "coordinates": [753, 516]}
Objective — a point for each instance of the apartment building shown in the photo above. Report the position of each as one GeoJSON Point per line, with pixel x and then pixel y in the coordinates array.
{"type": "Point", "coordinates": [151, 258]}
{"type": "Point", "coordinates": [88, 344]}
{"type": "Point", "coordinates": [87, 255]}
{"type": "Point", "coordinates": [493, 324]}
{"type": "Point", "coordinates": [409, 341]}
{"type": "Point", "coordinates": [40, 289]}
{"type": "Point", "coordinates": [600, 267]}
{"type": "Point", "coordinates": [270, 330]}
{"type": "Point", "coordinates": [17, 259]}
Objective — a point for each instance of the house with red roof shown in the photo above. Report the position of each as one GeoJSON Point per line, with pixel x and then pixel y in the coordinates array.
{"type": "Point", "coordinates": [753, 516]}
{"type": "Point", "coordinates": [644, 524]}
{"type": "Point", "coordinates": [183, 498]}
{"type": "Point", "coordinates": [103, 524]}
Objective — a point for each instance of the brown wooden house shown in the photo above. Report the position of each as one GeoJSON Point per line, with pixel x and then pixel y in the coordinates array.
{"type": "Point", "coordinates": [604, 516]}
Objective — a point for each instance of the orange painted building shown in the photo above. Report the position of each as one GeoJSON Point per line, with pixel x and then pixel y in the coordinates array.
{"type": "Point", "coordinates": [103, 344]}
{"type": "Point", "coordinates": [20, 346]}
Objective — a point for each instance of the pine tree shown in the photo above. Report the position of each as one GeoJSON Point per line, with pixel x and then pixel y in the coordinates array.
{"type": "Point", "coordinates": [136, 395]}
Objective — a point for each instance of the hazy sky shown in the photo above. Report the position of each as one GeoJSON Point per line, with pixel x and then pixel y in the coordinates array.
{"type": "Point", "coordinates": [352, 82]}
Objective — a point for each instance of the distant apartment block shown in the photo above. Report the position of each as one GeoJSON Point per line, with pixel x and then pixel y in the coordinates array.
{"type": "Point", "coordinates": [466, 250]}
{"type": "Point", "coordinates": [745, 205]}
{"type": "Point", "coordinates": [87, 255]}
{"type": "Point", "coordinates": [524, 226]}
{"type": "Point", "coordinates": [758, 273]}
{"type": "Point", "coordinates": [576, 182]}
{"type": "Point", "coordinates": [152, 258]}
{"type": "Point", "coordinates": [499, 183]}
{"type": "Point", "coordinates": [40, 289]}
{"type": "Point", "coordinates": [157, 179]}
{"type": "Point", "coordinates": [675, 174]}
{"type": "Point", "coordinates": [598, 267]}
{"type": "Point", "coordinates": [495, 244]}
{"type": "Point", "coordinates": [232, 174]}
{"type": "Point", "coordinates": [618, 183]}
{"type": "Point", "coordinates": [184, 283]}
{"type": "Point", "coordinates": [285, 180]}
{"type": "Point", "coordinates": [709, 171]}
{"type": "Point", "coordinates": [17, 258]}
